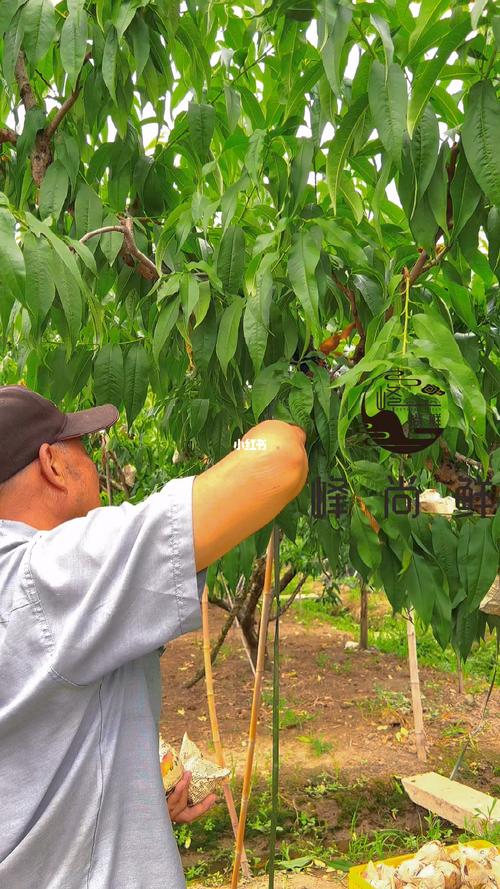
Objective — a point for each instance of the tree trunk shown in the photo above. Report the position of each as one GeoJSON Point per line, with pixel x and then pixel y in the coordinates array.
{"type": "Point", "coordinates": [363, 618]}
{"type": "Point", "coordinates": [248, 616]}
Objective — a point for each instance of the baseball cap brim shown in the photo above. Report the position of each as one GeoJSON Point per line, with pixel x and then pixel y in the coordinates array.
{"type": "Point", "coordinates": [91, 420]}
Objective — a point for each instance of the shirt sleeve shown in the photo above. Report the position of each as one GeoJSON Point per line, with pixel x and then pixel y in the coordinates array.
{"type": "Point", "coordinates": [117, 583]}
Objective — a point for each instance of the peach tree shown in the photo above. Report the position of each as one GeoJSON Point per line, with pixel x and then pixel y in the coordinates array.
{"type": "Point", "coordinates": [233, 212]}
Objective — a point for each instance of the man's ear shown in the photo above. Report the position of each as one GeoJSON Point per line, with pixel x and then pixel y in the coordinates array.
{"type": "Point", "coordinates": [53, 465]}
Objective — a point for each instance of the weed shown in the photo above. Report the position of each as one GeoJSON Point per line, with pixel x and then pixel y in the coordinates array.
{"type": "Point", "coordinates": [318, 746]}
{"type": "Point", "coordinates": [454, 730]}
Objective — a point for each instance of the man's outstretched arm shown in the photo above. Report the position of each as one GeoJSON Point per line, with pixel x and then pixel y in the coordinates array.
{"type": "Point", "coordinates": [247, 489]}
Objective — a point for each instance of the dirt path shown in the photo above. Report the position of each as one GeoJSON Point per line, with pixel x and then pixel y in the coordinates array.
{"type": "Point", "coordinates": [294, 881]}
{"type": "Point", "coordinates": [347, 734]}
{"type": "Point", "coordinates": [353, 705]}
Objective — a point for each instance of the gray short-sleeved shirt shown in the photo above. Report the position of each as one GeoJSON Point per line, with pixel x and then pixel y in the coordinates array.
{"type": "Point", "coordinates": [84, 609]}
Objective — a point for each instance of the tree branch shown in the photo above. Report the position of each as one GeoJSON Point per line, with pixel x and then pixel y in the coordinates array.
{"type": "Point", "coordinates": [360, 348]}
{"type": "Point", "coordinates": [290, 600]}
{"type": "Point", "coordinates": [7, 135]}
{"type": "Point", "coordinates": [102, 231]}
{"type": "Point", "coordinates": [421, 265]}
{"type": "Point", "coordinates": [132, 248]}
{"type": "Point", "coordinates": [66, 105]}
{"type": "Point", "coordinates": [23, 83]}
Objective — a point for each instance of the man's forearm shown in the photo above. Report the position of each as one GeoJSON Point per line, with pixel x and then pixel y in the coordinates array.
{"type": "Point", "coordinates": [247, 489]}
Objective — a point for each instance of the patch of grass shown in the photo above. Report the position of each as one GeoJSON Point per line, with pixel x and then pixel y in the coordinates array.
{"type": "Point", "coordinates": [289, 716]}
{"type": "Point", "coordinates": [454, 730]}
{"type": "Point", "coordinates": [384, 699]}
{"type": "Point", "coordinates": [318, 746]}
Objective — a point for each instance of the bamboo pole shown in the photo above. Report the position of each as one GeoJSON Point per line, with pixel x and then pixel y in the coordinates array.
{"type": "Point", "coordinates": [267, 597]}
{"type": "Point", "coordinates": [418, 716]}
{"type": "Point", "coordinates": [214, 723]}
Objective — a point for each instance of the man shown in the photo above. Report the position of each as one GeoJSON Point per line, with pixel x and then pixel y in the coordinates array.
{"type": "Point", "coordinates": [88, 594]}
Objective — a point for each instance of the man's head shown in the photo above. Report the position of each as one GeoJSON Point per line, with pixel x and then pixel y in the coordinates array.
{"type": "Point", "coordinates": [61, 484]}
{"type": "Point", "coordinates": [46, 474]}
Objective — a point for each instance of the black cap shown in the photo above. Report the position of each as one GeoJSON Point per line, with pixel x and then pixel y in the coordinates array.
{"type": "Point", "coordinates": [27, 420]}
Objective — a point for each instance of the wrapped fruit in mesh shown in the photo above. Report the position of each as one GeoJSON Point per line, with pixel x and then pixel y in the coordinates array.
{"type": "Point", "coordinates": [171, 767]}
{"type": "Point", "coordinates": [435, 867]}
{"type": "Point", "coordinates": [206, 775]}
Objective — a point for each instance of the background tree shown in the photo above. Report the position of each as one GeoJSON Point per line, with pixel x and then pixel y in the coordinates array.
{"type": "Point", "coordinates": [244, 210]}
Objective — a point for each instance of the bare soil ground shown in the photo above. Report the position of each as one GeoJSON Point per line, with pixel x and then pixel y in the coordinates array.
{"type": "Point", "coordinates": [352, 704]}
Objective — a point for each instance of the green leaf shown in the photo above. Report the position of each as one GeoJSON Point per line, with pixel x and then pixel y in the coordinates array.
{"type": "Point", "coordinates": [67, 151]}
{"type": "Point", "coordinates": [39, 28]}
{"type": "Point", "coordinates": [233, 107]}
{"type": "Point", "coordinates": [11, 46]}
{"type": "Point", "coordinates": [202, 306]}
{"type": "Point", "coordinates": [227, 336]}
{"type": "Point", "coordinates": [141, 43]}
{"type": "Point", "coordinates": [301, 400]}
{"type": "Point", "coordinates": [257, 310]}
{"type": "Point", "coordinates": [189, 293]}
{"type": "Point", "coordinates": [109, 59]}
{"type": "Point", "coordinates": [493, 235]}
{"type": "Point", "coordinates": [88, 214]}
{"type": "Point", "coordinates": [465, 195]}
{"type": "Point", "coordinates": [441, 617]}
{"type": "Point", "coordinates": [365, 539]}
{"type": "Point", "coordinates": [8, 9]}
{"type": "Point", "coordinates": [266, 385]}
{"type": "Point", "coordinates": [109, 375]}
{"type": "Point", "coordinates": [423, 224]}
{"type": "Point", "coordinates": [53, 190]}
{"type": "Point", "coordinates": [40, 285]}
{"type": "Point", "coordinates": [445, 545]}
{"type": "Point", "coordinates": [429, 70]}
{"type": "Point", "coordinates": [477, 560]}
{"type": "Point", "coordinates": [231, 258]}
{"type": "Point", "coordinates": [340, 145]}
{"type": "Point", "coordinates": [302, 261]}
{"type": "Point", "coordinates": [12, 269]}
{"type": "Point", "coordinates": [165, 324]}
{"type": "Point", "coordinates": [481, 138]}
{"type": "Point", "coordinates": [74, 44]}
{"type": "Point", "coordinates": [136, 376]}
{"type": "Point", "coordinates": [111, 242]}
{"type": "Point", "coordinates": [198, 414]}
{"type": "Point", "coordinates": [69, 294]}
{"type": "Point", "coordinates": [388, 104]}
{"type": "Point", "coordinates": [422, 578]}
{"type": "Point", "coordinates": [201, 124]}
{"type": "Point", "coordinates": [430, 11]}
{"type": "Point", "coordinates": [331, 52]}
{"type": "Point", "coordinates": [383, 29]}
{"type": "Point", "coordinates": [371, 292]}
{"type": "Point", "coordinates": [462, 301]}
{"type": "Point", "coordinates": [477, 11]}
{"type": "Point", "coordinates": [437, 191]}
{"type": "Point", "coordinates": [424, 150]}
{"type": "Point", "coordinates": [439, 347]}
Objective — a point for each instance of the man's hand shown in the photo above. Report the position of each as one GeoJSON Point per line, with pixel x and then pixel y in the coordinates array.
{"type": "Point", "coordinates": [180, 812]}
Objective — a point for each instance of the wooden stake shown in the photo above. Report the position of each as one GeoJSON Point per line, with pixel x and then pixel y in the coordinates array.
{"type": "Point", "coordinates": [214, 723]}
{"type": "Point", "coordinates": [418, 716]}
{"type": "Point", "coordinates": [363, 618]}
{"type": "Point", "coordinates": [267, 597]}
